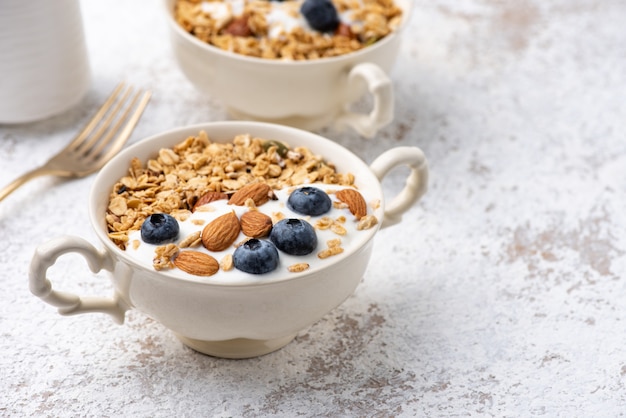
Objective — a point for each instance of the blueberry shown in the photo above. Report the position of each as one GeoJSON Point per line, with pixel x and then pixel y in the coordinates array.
{"type": "Point", "coordinates": [321, 15]}
{"type": "Point", "coordinates": [256, 257]}
{"type": "Point", "coordinates": [294, 236]}
{"type": "Point", "coordinates": [158, 228]}
{"type": "Point", "coordinates": [309, 201]}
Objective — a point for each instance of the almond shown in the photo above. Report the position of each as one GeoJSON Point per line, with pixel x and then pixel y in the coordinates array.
{"type": "Point", "coordinates": [208, 198]}
{"type": "Point", "coordinates": [221, 232]}
{"type": "Point", "coordinates": [196, 263]}
{"type": "Point", "coordinates": [258, 192]}
{"type": "Point", "coordinates": [354, 200]}
{"type": "Point", "coordinates": [256, 224]}
{"type": "Point", "coordinates": [345, 30]}
{"type": "Point", "coordinates": [238, 27]}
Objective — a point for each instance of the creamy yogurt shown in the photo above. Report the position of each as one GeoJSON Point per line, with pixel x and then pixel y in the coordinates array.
{"type": "Point", "coordinates": [281, 21]}
{"type": "Point", "coordinates": [283, 16]}
{"type": "Point", "coordinates": [353, 238]}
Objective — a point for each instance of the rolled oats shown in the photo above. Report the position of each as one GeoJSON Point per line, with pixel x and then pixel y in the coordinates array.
{"type": "Point", "coordinates": [366, 222]}
{"type": "Point", "coordinates": [335, 225]}
{"type": "Point", "coordinates": [227, 263]}
{"type": "Point", "coordinates": [298, 267]}
{"type": "Point", "coordinates": [338, 229]}
{"type": "Point", "coordinates": [328, 252]}
{"type": "Point", "coordinates": [192, 240]}
{"type": "Point", "coordinates": [333, 248]}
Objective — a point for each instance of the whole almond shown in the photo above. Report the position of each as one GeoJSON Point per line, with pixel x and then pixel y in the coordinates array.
{"type": "Point", "coordinates": [238, 27]}
{"type": "Point", "coordinates": [196, 263]}
{"type": "Point", "coordinates": [221, 232]}
{"type": "Point", "coordinates": [259, 192]}
{"type": "Point", "coordinates": [354, 200]}
{"type": "Point", "coordinates": [345, 30]}
{"type": "Point", "coordinates": [256, 224]}
{"type": "Point", "coordinates": [208, 198]}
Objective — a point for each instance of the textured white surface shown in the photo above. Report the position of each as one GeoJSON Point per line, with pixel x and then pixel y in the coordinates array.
{"type": "Point", "coordinates": [503, 293]}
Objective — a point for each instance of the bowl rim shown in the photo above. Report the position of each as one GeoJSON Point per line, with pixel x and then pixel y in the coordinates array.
{"type": "Point", "coordinates": [406, 6]}
{"type": "Point", "coordinates": [99, 196]}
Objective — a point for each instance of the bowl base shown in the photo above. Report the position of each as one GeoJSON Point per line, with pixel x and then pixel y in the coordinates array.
{"type": "Point", "coordinates": [307, 123]}
{"type": "Point", "coordinates": [237, 348]}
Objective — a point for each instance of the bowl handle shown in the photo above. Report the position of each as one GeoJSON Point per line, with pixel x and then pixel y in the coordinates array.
{"type": "Point", "coordinates": [68, 303]}
{"type": "Point", "coordinates": [381, 89]}
{"type": "Point", "coordinates": [416, 182]}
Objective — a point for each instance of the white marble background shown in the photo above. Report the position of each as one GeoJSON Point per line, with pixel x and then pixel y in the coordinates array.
{"type": "Point", "coordinates": [503, 293]}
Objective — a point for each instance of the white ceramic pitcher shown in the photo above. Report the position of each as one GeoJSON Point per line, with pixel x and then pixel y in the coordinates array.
{"type": "Point", "coordinates": [44, 69]}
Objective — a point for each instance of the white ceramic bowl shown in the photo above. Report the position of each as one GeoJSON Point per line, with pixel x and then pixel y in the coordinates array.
{"type": "Point", "coordinates": [304, 94]}
{"type": "Point", "coordinates": [221, 319]}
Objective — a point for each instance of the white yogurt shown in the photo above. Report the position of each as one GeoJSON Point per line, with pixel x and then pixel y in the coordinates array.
{"type": "Point", "coordinates": [218, 10]}
{"type": "Point", "coordinates": [144, 253]}
{"type": "Point", "coordinates": [280, 19]}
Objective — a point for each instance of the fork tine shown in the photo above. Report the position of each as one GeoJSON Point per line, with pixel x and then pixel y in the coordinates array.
{"type": "Point", "coordinates": [88, 147]}
{"type": "Point", "coordinates": [120, 140]}
{"type": "Point", "coordinates": [84, 133]}
{"type": "Point", "coordinates": [96, 151]}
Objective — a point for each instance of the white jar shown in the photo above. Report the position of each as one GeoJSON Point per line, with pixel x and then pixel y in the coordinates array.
{"type": "Point", "coordinates": [44, 69]}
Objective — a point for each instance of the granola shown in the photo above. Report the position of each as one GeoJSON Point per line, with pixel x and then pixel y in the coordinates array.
{"type": "Point", "coordinates": [278, 29]}
{"type": "Point", "coordinates": [178, 177]}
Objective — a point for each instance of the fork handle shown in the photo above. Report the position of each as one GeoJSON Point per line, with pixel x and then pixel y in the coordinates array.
{"type": "Point", "coordinates": [29, 175]}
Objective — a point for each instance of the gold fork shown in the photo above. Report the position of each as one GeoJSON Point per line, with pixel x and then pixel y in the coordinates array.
{"type": "Point", "coordinates": [95, 144]}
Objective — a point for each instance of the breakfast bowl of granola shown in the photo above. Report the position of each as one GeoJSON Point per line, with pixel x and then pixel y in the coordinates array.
{"type": "Point", "coordinates": [233, 235]}
{"type": "Point", "coordinates": [301, 63]}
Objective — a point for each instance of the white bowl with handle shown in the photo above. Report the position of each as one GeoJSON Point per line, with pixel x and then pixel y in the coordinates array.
{"type": "Point", "coordinates": [305, 94]}
{"type": "Point", "coordinates": [235, 320]}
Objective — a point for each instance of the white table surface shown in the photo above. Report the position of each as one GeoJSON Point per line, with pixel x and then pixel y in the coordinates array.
{"type": "Point", "coordinates": [502, 293]}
